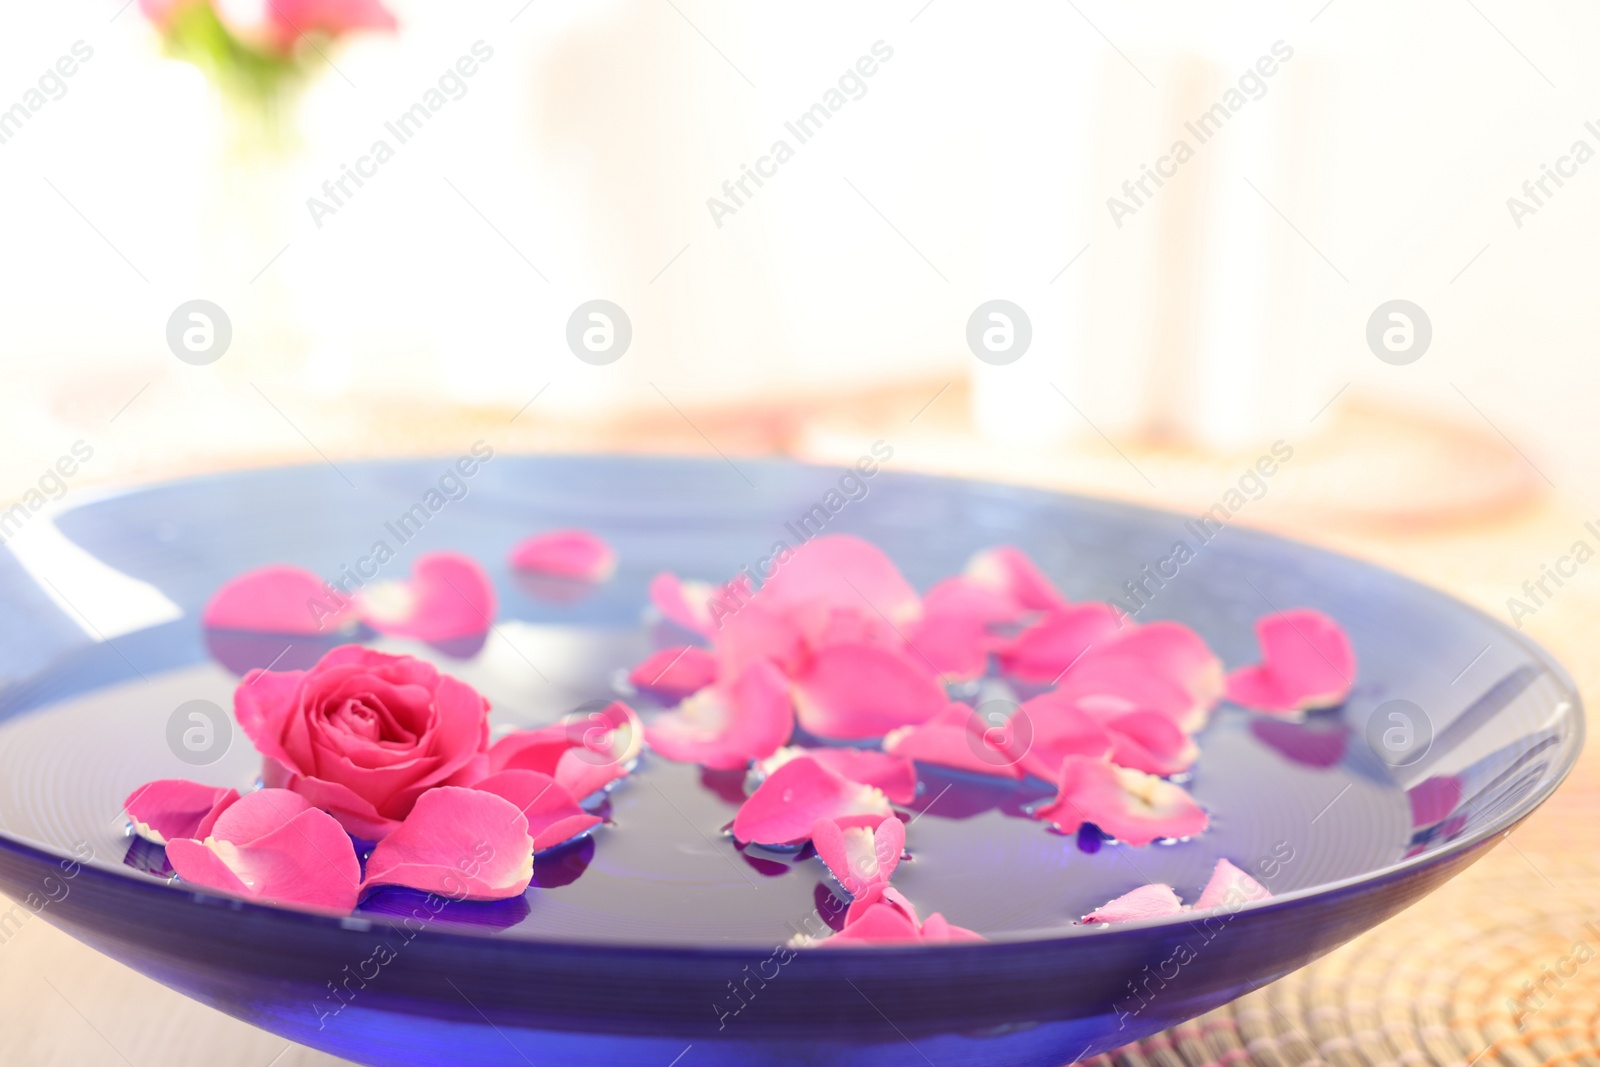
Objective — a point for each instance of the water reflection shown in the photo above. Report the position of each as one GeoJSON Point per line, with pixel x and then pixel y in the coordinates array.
{"type": "Point", "coordinates": [243, 651]}
{"type": "Point", "coordinates": [1319, 741]}
{"type": "Point", "coordinates": [491, 915]}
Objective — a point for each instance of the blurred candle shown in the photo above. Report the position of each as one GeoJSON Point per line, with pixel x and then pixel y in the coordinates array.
{"type": "Point", "coordinates": [1038, 213]}
{"type": "Point", "coordinates": [1186, 319]}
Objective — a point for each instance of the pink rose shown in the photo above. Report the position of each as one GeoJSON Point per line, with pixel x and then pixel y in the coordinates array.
{"type": "Point", "coordinates": [161, 12]}
{"type": "Point", "coordinates": [362, 734]}
{"type": "Point", "coordinates": [275, 25]}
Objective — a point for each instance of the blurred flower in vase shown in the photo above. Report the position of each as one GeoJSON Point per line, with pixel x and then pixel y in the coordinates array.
{"type": "Point", "coordinates": [257, 53]}
{"type": "Point", "coordinates": [257, 56]}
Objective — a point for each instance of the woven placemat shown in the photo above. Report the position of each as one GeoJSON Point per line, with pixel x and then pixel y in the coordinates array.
{"type": "Point", "coordinates": [1500, 967]}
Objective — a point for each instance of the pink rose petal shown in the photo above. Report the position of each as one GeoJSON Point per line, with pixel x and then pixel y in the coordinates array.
{"type": "Point", "coordinates": [845, 624]}
{"type": "Point", "coordinates": [1164, 667]}
{"type": "Point", "coordinates": [881, 893]}
{"type": "Point", "coordinates": [358, 815]}
{"type": "Point", "coordinates": [1034, 739]}
{"type": "Point", "coordinates": [263, 704]}
{"type": "Point", "coordinates": [675, 672]}
{"type": "Point", "coordinates": [465, 844]}
{"type": "Point", "coordinates": [1148, 741]}
{"type": "Point", "coordinates": [784, 808]}
{"type": "Point", "coordinates": [957, 648]}
{"type": "Point", "coordinates": [530, 750]}
{"type": "Point", "coordinates": [958, 737]}
{"type": "Point", "coordinates": [576, 554]}
{"type": "Point", "coordinates": [966, 596]}
{"type": "Point", "coordinates": [669, 597]}
{"type": "Point", "coordinates": [175, 807]}
{"type": "Point", "coordinates": [449, 596]}
{"type": "Point", "coordinates": [277, 599]}
{"type": "Point", "coordinates": [859, 856]}
{"type": "Point", "coordinates": [724, 727]}
{"type": "Point", "coordinates": [854, 692]}
{"type": "Point", "coordinates": [1129, 805]}
{"type": "Point", "coordinates": [1231, 887]}
{"type": "Point", "coordinates": [896, 776]}
{"type": "Point", "coordinates": [585, 773]}
{"type": "Point", "coordinates": [937, 929]}
{"type": "Point", "coordinates": [1177, 653]}
{"type": "Point", "coordinates": [1123, 683]}
{"type": "Point", "coordinates": [954, 632]}
{"type": "Point", "coordinates": [878, 924]}
{"type": "Point", "coordinates": [1306, 663]}
{"type": "Point", "coordinates": [605, 744]}
{"type": "Point", "coordinates": [553, 815]}
{"type": "Point", "coordinates": [1044, 651]}
{"type": "Point", "coordinates": [838, 571]}
{"type": "Point", "coordinates": [1146, 902]}
{"type": "Point", "coordinates": [882, 914]}
{"type": "Point", "coordinates": [1010, 572]}
{"type": "Point", "coordinates": [755, 634]}
{"type": "Point", "coordinates": [271, 846]}
{"type": "Point", "coordinates": [1045, 732]}
{"type": "Point", "coordinates": [585, 753]}
{"type": "Point", "coordinates": [267, 812]}
{"type": "Point", "coordinates": [691, 604]}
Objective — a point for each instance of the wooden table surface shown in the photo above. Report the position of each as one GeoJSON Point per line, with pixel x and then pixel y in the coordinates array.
{"type": "Point", "coordinates": [64, 1005]}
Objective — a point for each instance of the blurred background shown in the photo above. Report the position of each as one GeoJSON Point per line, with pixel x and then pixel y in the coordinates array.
{"type": "Point", "coordinates": [1195, 323]}
{"type": "Point", "coordinates": [1117, 248]}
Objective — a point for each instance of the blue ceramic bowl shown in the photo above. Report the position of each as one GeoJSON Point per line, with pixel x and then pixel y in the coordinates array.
{"type": "Point", "coordinates": [659, 938]}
